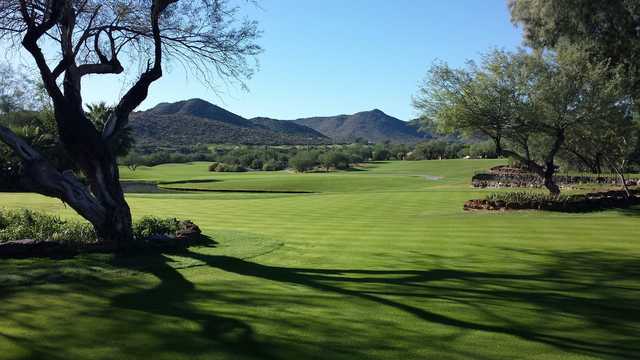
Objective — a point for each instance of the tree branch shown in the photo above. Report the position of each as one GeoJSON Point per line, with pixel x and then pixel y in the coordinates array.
{"type": "Point", "coordinates": [47, 180]}
{"type": "Point", "coordinates": [138, 92]}
{"type": "Point", "coordinates": [30, 43]}
{"type": "Point", "coordinates": [106, 68]}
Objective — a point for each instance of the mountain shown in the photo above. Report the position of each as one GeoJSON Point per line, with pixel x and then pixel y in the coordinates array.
{"type": "Point", "coordinates": [374, 126]}
{"type": "Point", "coordinates": [288, 127]}
{"type": "Point", "coordinates": [196, 121]}
{"type": "Point", "coordinates": [199, 108]}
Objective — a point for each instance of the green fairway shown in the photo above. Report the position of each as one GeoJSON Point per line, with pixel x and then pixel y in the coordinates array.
{"type": "Point", "coordinates": [376, 263]}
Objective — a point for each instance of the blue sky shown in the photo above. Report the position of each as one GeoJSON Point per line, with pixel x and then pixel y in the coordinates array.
{"type": "Point", "coordinates": [342, 56]}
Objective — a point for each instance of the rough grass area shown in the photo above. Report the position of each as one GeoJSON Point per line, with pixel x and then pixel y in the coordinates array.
{"type": "Point", "coordinates": [386, 271]}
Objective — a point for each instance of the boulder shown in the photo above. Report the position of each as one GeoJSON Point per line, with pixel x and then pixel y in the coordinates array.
{"type": "Point", "coordinates": [188, 232]}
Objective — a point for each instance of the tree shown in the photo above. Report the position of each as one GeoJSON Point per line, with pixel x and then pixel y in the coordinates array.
{"type": "Point", "coordinates": [606, 29]}
{"type": "Point", "coordinates": [607, 32]}
{"type": "Point", "coordinates": [612, 139]}
{"type": "Point", "coordinates": [335, 159]}
{"type": "Point", "coordinates": [380, 153]}
{"type": "Point", "coordinates": [527, 103]}
{"type": "Point", "coordinates": [19, 91]}
{"type": "Point", "coordinates": [621, 141]}
{"type": "Point", "coordinates": [71, 39]}
{"type": "Point", "coordinates": [304, 160]}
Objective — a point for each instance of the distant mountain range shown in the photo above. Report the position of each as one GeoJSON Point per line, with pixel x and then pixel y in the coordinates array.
{"type": "Point", "coordinates": [196, 121]}
{"type": "Point", "coordinates": [374, 126]}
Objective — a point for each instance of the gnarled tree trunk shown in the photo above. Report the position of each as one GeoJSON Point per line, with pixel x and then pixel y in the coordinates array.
{"type": "Point", "coordinates": [85, 38]}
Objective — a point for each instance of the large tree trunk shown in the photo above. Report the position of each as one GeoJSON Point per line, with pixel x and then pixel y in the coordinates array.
{"type": "Point", "coordinates": [549, 182]}
{"type": "Point", "coordinates": [96, 160]}
{"type": "Point", "coordinates": [102, 203]}
{"type": "Point", "coordinates": [550, 166]}
{"type": "Point", "coordinates": [116, 228]}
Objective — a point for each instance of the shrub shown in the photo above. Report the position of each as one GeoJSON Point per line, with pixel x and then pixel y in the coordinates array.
{"type": "Point", "coordinates": [381, 155]}
{"type": "Point", "coordinates": [229, 168]}
{"type": "Point", "coordinates": [213, 166]}
{"type": "Point", "coordinates": [28, 224]}
{"type": "Point", "coordinates": [483, 150]}
{"type": "Point", "coordinates": [304, 161]}
{"type": "Point", "coordinates": [335, 159]}
{"type": "Point", "coordinates": [437, 149]}
{"type": "Point", "coordinates": [149, 226]}
{"type": "Point", "coordinates": [274, 166]}
{"type": "Point", "coordinates": [522, 197]}
{"type": "Point", "coordinates": [358, 153]}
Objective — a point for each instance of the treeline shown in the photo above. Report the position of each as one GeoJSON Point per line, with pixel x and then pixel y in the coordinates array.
{"type": "Point", "coordinates": [228, 158]}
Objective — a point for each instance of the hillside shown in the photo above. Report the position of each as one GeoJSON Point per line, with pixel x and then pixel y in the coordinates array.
{"type": "Point", "coordinates": [287, 127]}
{"type": "Point", "coordinates": [197, 121]}
{"type": "Point", "coordinates": [374, 126]}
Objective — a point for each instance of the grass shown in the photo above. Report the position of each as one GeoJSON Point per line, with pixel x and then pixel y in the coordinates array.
{"type": "Point", "coordinates": [376, 264]}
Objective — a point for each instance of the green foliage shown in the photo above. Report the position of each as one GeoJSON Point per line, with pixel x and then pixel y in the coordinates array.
{"type": "Point", "coordinates": [481, 150]}
{"type": "Point", "coordinates": [521, 197]}
{"type": "Point", "coordinates": [28, 224]}
{"type": "Point", "coordinates": [335, 159]}
{"type": "Point", "coordinates": [20, 91]}
{"type": "Point", "coordinates": [255, 157]}
{"type": "Point", "coordinates": [606, 30]}
{"type": "Point", "coordinates": [272, 165]}
{"type": "Point", "coordinates": [149, 226]}
{"type": "Point", "coordinates": [359, 153]}
{"type": "Point", "coordinates": [99, 114]}
{"type": "Point", "coordinates": [39, 130]}
{"type": "Point", "coordinates": [437, 149]}
{"type": "Point", "coordinates": [530, 104]}
{"type": "Point", "coordinates": [304, 161]}
{"type": "Point", "coordinates": [222, 167]}
{"type": "Point", "coordinates": [380, 153]}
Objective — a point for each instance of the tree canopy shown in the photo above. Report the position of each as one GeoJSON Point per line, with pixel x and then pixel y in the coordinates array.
{"type": "Point", "coordinates": [608, 30]}
{"type": "Point", "coordinates": [528, 103]}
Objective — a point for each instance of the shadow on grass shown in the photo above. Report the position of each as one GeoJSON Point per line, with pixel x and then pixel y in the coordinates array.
{"type": "Point", "coordinates": [632, 211]}
{"type": "Point", "coordinates": [571, 292]}
{"type": "Point", "coordinates": [553, 290]}
{"type": "Point", "coordinates": [172, 298]}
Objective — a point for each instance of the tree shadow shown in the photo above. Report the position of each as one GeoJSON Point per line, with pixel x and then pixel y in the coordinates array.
{"type": "Point", "coordinates": [631, 211]}
{"type": "Point", "coordinates": [552, 289]}
{"type": "Point", "coordinates": [172, 296]}
{"type": "Point", "coordinates": [587, 289]}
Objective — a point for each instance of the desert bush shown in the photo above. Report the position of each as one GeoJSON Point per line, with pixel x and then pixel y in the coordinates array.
{"type": "Point", "coordinates": [335, 159]}
{"type": "Point", "coordinates": [304, 160]}
{"type": "Point", "coordinates": [221, 167]}
{"type": "Point", "coordinates": [437, 149]}
{"type": "Point", "coordinates": [380, 154]}
{"type": "Point", "coordinates": [274, 166]}
{"type": "Point", "coordinates": [358, 153]}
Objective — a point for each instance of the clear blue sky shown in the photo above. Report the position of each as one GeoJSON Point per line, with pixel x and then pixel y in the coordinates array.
{"type": "Point", "coordinates": [342, 56]}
